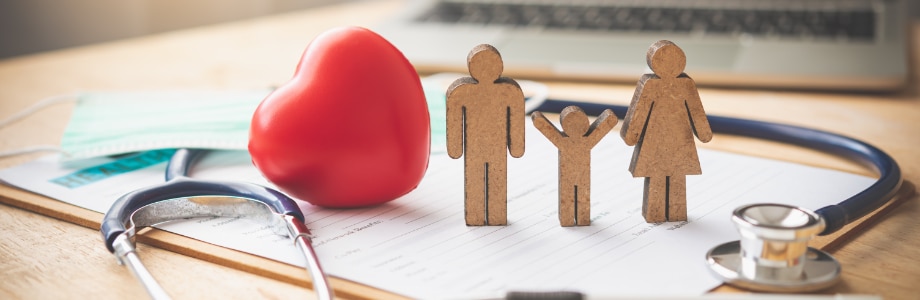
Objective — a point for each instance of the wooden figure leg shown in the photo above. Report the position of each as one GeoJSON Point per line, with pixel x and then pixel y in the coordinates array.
{"type": "Point", "coordinates": [653, 206]}
{"type": "Point", "coordinates": [474, 204]}
{"type": "Point", "coordinates": [583, 205]}
{"type": "Point", "coordinates": [567, 213]}
{"type": "Point", "coordinates": [677, 198]}
{"type": "Point", "coordinates": [497, 192]}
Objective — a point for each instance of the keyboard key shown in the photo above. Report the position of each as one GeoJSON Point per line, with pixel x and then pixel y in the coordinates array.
{"type": "Point", "coordinates": [783, 23]}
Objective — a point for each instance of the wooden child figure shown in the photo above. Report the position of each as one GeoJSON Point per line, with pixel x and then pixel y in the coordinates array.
{"type": "Point", "coordinates": [485, 120]}
{"type": "Point", "coordinates": [575, 142]}
{"type": "Point", "coordinates": [665, 113]}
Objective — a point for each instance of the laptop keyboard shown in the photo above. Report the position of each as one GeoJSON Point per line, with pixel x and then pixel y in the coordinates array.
{"type": "Point", "coordinates": [815, 23]}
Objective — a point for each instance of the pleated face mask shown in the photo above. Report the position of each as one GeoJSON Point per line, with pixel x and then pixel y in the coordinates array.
{"type": "Point", "coordinates": [112, 123]}
{"type": "Point", "coordinates": [109, 123]}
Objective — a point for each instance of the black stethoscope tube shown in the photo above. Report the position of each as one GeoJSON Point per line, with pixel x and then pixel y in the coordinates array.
{"type": "Point", "coordinates": [835, 216]}
{"type": "Point", "coordinates": [181, 161]}
{"type": "Point", "coordinates": [281, 210]}
{"type": "Point", "coordinates": [178, 185]}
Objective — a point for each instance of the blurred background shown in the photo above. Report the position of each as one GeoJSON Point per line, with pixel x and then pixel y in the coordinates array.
{"type": "Point", "coordinates": [29, 26]}
{"type": "Point", "coordinates": [33, 26]}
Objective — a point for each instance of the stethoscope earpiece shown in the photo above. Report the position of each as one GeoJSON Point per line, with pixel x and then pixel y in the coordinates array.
{"type": "Point", "coordinates": [773, 253]}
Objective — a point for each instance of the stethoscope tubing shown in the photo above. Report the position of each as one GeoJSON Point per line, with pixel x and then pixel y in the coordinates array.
{"type": "Point", "coordinates": [177, 185]}
{"type": "Point", "coordinates": [835, 216]}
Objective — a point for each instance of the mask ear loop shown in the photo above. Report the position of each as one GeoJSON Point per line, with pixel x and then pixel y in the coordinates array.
{"type": "Point", "coordinates": [28, 111]}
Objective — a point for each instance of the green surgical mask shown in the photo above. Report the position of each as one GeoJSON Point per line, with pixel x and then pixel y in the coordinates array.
{"type": "Point", "coordinates": [107, 123]}
{"type": "Point", "coordinates": [111, 123]}
{"type": "Point", "coordinates": [435, 94]}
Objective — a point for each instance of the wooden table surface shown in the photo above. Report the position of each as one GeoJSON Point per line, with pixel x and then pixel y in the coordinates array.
{"type": "Point", "coordinates": [43, 257]}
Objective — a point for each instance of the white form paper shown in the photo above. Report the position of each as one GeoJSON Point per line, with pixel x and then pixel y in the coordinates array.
{"type": "Point", "coordinates": [419, 246]}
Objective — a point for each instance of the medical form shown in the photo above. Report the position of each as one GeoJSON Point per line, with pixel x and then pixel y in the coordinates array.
{"type": "Point", "coordinates": [419, 245]}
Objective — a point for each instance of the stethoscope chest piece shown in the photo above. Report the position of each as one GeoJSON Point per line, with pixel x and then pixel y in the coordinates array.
{"type": "Point", "coordinates": [773, 253]}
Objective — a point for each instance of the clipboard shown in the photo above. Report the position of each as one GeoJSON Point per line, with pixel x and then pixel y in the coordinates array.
{"type": "Point", "coordinates": [294, 275]}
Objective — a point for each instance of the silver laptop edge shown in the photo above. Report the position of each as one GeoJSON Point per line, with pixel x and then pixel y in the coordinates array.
{"type": "Point", "coordinates": [733, 61]}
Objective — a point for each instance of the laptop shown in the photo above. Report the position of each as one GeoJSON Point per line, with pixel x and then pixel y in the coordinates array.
{"type": "Point", "coordinates": [784, 44]}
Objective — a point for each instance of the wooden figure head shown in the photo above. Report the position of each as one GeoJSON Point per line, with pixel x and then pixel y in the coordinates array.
{"type": "Point", "coordinates": [485, 63]}
{"type": "Point", "coordinates": [666, 59]}
{"type": "Point", "coordinates": [574, 121]}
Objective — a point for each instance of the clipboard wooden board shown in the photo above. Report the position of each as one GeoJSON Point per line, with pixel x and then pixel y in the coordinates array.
{"type": "Point", "coordinates": [296, 275]}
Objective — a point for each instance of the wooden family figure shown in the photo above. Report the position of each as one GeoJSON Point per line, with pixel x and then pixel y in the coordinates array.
{"type": "Point", "coordinates": [574, 142]}
{"type": "Point", "coordinates": [664, 115]}
{"type": "Point", "coordinates": [485, 121]}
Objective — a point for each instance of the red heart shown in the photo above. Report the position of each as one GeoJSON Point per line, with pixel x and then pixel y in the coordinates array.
{"type": "Point", "coordinates": [350, 129]}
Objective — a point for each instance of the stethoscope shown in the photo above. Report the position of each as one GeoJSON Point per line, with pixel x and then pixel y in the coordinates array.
{"type": "Point", "coordinates": [772, 254]}
{"type": "Point", "coordinates": [181, 197]}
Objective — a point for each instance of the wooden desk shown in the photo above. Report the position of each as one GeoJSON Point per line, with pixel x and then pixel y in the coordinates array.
{"type": "Point", "coordinates": [42, 257]}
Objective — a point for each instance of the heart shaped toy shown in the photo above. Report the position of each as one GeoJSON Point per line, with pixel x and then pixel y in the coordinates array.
{"type": "Point", "coordinates": [350, 129]}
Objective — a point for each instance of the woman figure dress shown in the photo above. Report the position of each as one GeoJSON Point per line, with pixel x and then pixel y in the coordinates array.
{"type": "Point", "coordinates": [663, 116]}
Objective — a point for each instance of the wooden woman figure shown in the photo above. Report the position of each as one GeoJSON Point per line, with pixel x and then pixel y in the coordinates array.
{"type": "Point", "coordinates": [575, 141]}
{"type": "Point", "coordinates": [663, 116]}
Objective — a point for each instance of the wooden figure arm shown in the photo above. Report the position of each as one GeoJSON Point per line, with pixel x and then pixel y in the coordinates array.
{"type": "Point", "coordinates": [698, 118]}
{"type": "Point", "coordinates": [515, 118]}
{"type": "Point", "coordinates": [638, 112]}
{"type": "Point", "coordinates": [601, 126]}
{"type": "Point", "coordinates": [455, 117]}
{"type": "Point", "coordinates": [547, 128]}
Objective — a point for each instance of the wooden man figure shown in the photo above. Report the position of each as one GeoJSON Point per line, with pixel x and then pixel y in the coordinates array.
{"type": "Point", "coordinates": [665, 113]}
{"type": "Point", "coordinates": [485, 120]}
{"type": "Point", "coordinates": [575, 141]}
